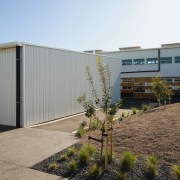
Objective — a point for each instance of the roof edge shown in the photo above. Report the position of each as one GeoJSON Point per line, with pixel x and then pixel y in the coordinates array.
{"type": "Point", "coordinates": [10, 44]}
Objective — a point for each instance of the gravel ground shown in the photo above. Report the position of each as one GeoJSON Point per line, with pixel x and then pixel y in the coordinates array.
{"type": "Point", "coordinates": [156, 132]}
{"type": "Point", "coordinates": [138, 171]}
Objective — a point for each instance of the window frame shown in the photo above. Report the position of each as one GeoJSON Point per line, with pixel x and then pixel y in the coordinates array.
{"type": "Point", "coordinates": [166, 60]}
{"type": "Point", "coordinates": [177, 59]}
{"type": "Point", "coordinates": [126, 62]}
{"type": "Point", "coordinates": [155, 60]}
{"type": "Point", "coordinates": [141, 61]}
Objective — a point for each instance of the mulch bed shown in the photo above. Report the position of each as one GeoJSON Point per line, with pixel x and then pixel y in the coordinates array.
{"type": "Point", "coordinates": [149, 133]}
{"type": "Point", "coordinates": [138, 171]}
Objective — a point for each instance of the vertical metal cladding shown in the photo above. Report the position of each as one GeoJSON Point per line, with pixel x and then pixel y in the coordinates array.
{"type": "Point", "coordinates": [8, 86]}
{"type": "Point", "coordinates": [54, 78]}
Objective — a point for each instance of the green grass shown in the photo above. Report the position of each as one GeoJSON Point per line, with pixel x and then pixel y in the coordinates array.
{"type": "Point", "coordinates": [176, 171]}
{"type": "Point", "coordinates": [73, 166]}
{"type": "Point", "coordinates": [71, 151]}
{"type": "Point", "coordinates": [121, 176]}
{"type": "Point", "coordinates": [53, 166]}
{"type": "Point", "coordinates": [134, 110]}
{"type": "Point", "coordinates": [80, 132]}
{"type": "Point", "coordinates": [95, 170]}
{"type": "Point", "coordinates": [152, 163]}
{"type": "Point", "coordinates": [63, 157]}
{"type": "Point", "coordinates": [127, 160]}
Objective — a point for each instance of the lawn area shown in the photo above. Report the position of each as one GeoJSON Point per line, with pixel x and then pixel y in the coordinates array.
{"type": "Point", "coordinates": [155, 132]}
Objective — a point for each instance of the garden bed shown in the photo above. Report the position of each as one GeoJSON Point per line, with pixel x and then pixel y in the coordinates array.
{"type": "Point", "coordinates": [138, 171]}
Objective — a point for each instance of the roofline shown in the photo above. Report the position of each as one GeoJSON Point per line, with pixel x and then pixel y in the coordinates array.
{"type": "Point", "coordinates": [50, 47]}
{"type": "Point", "coordinates": [148, 49]}
{"type": "Point", "coordinates": [10, 44]}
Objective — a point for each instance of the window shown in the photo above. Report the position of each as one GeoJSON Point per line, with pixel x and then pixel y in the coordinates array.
{"type": "Point", "coordinates": [127, 87]}
{"type": "Point", "coordinates": [166, 60]}
{"type": "Point", "coordinates": [126, 62]}
{"type": "Point", "coordinates": [127, 80]}
{"type": "Point", "coordinates": [139, 90]}
{"type": "Point", "coordinates": [177, 59]}
{"type": "Point", "coordinates": [151, 60]}
{"type": "Point", "coordinates": [139, 84]}
{"type": "Point", "coordinates": [139, 61]}
{"type": "Point", "coordinates": [167, 79]}
{"type": "Point", "coordinates": [176, 79]}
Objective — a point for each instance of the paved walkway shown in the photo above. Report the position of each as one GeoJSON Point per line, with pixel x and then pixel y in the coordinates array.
{"type": "Point", "coordinates": [22, 148]}
{"type": "Point", "coordinates": [71, 124]}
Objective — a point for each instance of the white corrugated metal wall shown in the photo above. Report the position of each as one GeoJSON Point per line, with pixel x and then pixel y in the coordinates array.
{"type": "Point", "coordinates": [8, 86]}
{"type": "Point", "coordinates": [54, 78]}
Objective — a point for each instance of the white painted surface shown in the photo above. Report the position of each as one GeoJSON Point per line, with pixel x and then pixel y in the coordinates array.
{"type": "Point", "coordinates": [166, 70]}
{"type": "Point", "coordinates": [54, 78]}
{"type": "Point", "coordinates": [8, 86]}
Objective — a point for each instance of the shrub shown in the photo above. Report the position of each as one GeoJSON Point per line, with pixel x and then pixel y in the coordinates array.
{"type": "Point", "coordinates": [121, 176]}
{"type": "Point", "coordinates": [63, 157]}
{"type": "Point", "coordinates": [53, 165]}
{"type": "Point", "coordinates": [71, 151]}
{"type": "Point", "coordinates": [176, 171]}
{"type": "Point", "coordinates": [95, 124]}
{"type": "Point", "coordinates": [83, 156]}
{"type": "Point", "coordinates": [134, 110]}
{"type": "Point", "coordinates": [120, 119]}
{"type": "Point", "coordinates": [146, 107]}
{"type": "Point", "coordinates": [95, 170]}
{"type": "Point", "coordinates": [123, 114]}
{"type": "Point", "coordinates": [80, 132]}
{"type": "Point", "coordinates": [91, 149]}
{"type": "Point", "coordinates": [72, 166]}
{"type": "Point", "coordinates": [152, 165]}
{"type": "Point", "coordinates": [127, 160]}
{"type": "Point", "coordinates": [84, 123]}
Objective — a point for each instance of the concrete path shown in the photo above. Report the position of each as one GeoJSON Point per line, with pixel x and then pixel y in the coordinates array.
{"type": "Point", "coordinates": [71, 124]}
{"type": "Point", "coordinates": [22, 148]}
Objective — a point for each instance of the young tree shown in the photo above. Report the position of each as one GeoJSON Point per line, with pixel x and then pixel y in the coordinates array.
{"type": "Point", "coordinates": [161, 90]}
{"type": "Point", "coordinates": [90, 111]}
{"type": "Point", "coordinates": [104, 101]}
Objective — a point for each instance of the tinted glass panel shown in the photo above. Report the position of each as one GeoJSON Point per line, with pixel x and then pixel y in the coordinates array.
{"type": "Point", "coordinates": [151, 60]}
{"type": "Point", "coordinates": [177, 59]}
{"type": "Point", "coordinates": [166, 60]}
{"type": "Point", "coordinates": [139, 61]}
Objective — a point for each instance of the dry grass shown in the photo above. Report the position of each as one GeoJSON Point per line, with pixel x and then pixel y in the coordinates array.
{"type": "Point", "coordinates": [156, 132]}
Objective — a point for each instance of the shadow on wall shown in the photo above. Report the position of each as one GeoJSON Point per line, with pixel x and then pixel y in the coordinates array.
{"type": "Point", "coordinates": [4, 128]}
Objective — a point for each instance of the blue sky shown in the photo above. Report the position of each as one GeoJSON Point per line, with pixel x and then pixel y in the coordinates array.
{"type": "Point", "coordinates": [90, 24]}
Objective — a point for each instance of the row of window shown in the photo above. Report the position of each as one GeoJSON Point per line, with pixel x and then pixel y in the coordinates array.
{"type": "Point", "coordinates": [138, 90]}
{"type": "Point", "coordinates": [143, 83]}
{"type": "Point", "coordinates": [141, 61]}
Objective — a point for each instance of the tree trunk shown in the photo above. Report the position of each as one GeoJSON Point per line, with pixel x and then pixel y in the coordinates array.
{"type": "Point", "coordinates": [165, 103]}
{"type": "Point", "coordinates": [111, 140]}
{"type": "Point", "coordinates": [106, 142]}
{"type": "Point", "coordinates": [89, 133]}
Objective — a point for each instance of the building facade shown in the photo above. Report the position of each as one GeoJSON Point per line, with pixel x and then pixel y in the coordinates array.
{"type": "Point", "coordinates": [40, 84]}
{"type": "Point", "coordinates": [138, 67]}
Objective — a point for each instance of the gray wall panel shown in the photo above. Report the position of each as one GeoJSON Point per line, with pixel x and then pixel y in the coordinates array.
{"type": "Point", "coordinates": [8, 86]}
{"type": "Point", "coordinates": [54, 78]}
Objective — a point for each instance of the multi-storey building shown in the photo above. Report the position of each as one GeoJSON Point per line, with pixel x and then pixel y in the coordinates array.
{"type": "Point", "coordinates": [139, 66]}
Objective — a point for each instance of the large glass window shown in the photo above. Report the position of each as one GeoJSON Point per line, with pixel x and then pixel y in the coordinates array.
{"type": "Point", "coordinates": [151, 60]}
{"type": "Point", "coordinates": [139, 61]}
{"type": "Point", "coordinates": [177, 59]}
{"type": "Point", "coordinates": [126, 62]}
{"type": "Point", "coordinates": [166, 60]}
